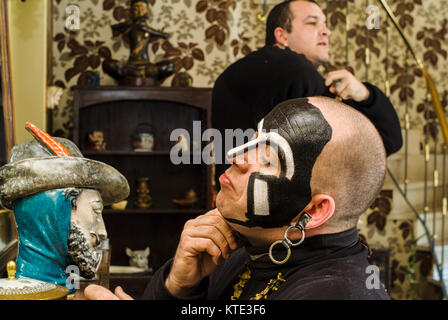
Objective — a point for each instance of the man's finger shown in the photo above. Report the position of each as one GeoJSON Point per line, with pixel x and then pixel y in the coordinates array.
{"type": "Point", "coordinates": [215, 219]}
{"type": "Point", "coordinates": [95, 292]}
{"type": "Point", "coordinates": [334, 76]}
{"type": "Point", "coordinates": [121, 294]}
{"type": "Point", "coordinates": [342, 87]}
{"type": "Point", "coordinates": [214, 234]}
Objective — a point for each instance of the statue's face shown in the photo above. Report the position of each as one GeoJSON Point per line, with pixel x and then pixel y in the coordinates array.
{"type": "Point", "coordinates": [87, 230]}
{"type": "Point", "coordinates": [97, 137]}
{"type": "Point", "coordinates": [139, 9]}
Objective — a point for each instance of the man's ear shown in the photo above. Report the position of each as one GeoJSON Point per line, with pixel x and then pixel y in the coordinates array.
{"type": "Point", "coordinates": [321, 208]}
{"type": "Point", "coordinates": [281, 38]}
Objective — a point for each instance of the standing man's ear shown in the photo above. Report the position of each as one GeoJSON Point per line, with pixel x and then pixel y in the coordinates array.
{"type": "Point", "coordinates": [321, 208]}
{"type": "Point", "coordinates": [281, 39]}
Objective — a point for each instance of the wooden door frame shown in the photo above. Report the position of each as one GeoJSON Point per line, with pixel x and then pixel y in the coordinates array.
{"type": "Point", "coordinates": [8, 110]}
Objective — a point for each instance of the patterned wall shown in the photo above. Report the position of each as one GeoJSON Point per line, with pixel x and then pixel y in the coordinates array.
{"type": "Point", "coordinates": [208, 35]}
{"type": "Point", "coordinates": [205, 37]}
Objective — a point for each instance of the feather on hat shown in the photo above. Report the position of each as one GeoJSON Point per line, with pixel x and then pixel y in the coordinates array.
{"type": "Point", "coordinates": [47, 163]}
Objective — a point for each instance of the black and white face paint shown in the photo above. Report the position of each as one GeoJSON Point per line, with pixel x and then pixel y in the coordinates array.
{"type": "Point", "coordinates": [299, 132]}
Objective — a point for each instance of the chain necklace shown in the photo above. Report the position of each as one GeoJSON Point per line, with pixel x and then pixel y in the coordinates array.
{"type": "Point", "coordinates": [272, 285]}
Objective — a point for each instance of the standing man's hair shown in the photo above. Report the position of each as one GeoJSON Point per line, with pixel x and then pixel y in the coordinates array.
{"type": "Point", "coordinates": [280, 16]}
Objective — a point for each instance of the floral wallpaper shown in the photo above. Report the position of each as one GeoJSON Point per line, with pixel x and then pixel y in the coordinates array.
{"type": "Point", "coordinates": [208, 35]}
{"type": "Point", "coordinates": [205, 37]}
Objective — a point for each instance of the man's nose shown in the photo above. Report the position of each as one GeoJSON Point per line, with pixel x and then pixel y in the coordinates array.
{"type": "Point", "coordinates": [240, 161]}
{"type": "Point", "coordinates": [325, 30]}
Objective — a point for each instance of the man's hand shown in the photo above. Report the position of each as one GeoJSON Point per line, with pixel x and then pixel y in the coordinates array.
{"type": "Point", "coordinates": [95, 292]}
{"type": "Point", "coordinates": [204, 244]}
{"type": "Point", "coordinates": [347, 86]}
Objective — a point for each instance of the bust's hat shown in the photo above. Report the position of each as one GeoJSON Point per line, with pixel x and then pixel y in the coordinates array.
{"type": "Point", "coordinates": [33, 169]}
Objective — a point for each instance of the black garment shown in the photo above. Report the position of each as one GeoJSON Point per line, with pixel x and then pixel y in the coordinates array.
{"type": "Point", "coordinates": [251, 87]}
{"type": "Point", "coordinates": [330, 267]}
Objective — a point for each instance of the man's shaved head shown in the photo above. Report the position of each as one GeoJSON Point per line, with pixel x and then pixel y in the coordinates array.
{"type": "Point", "coordinates": [352, 165]}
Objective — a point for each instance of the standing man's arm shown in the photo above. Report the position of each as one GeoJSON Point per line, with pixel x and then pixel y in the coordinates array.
{"type": "Point", "coordinates": [372, 102]}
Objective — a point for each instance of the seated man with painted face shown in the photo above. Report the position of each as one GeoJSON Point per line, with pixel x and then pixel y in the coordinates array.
{"type": "Point", "coordinates": [286, 217]}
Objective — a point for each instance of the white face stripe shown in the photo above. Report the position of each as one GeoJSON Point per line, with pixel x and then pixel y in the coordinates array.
{"type": "Point", "coordinates": [261, 195]}
{"type": "Point", "coordinates": [270, 136]}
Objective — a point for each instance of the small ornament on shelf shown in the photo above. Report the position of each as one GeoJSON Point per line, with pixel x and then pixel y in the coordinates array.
{"type": "Point", "coordinates": [143, 138]}
{"type": "Point", "coordinates": [139, 258]}
{"type": "Point", "coordinates": [144, 199]}
{"type": "Point", "coordinates": [120, 205]}
{"type": "Point", "coordinates": [189, 201]}
{"type": "Point", "coordinates": [95, 141]}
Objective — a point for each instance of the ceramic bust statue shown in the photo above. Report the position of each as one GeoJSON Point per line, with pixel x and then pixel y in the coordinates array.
{"type": "Point", "coordinates": [57, 197]}
{"type": "Point", "coordinates": [138, 70]}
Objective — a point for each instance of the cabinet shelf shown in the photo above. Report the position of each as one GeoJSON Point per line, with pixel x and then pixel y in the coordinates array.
{"type": "Point", "coordinates": [117, 112]}
{"type": "Point", "coordinates": [194, 211]}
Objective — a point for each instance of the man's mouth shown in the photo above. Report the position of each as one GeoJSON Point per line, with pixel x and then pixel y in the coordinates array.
{"type": "Point", "coordinates": [225, 181]}
{"type": "Point", "coordinates": [322, 43]}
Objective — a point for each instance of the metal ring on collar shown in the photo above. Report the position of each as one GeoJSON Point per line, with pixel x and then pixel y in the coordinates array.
{"type": "Point", "coordinates": [288, 251]}
{"type": "Point", "coordinates": [289, 242]}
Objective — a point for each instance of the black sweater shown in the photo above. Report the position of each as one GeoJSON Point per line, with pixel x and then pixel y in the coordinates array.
{"type": "Point", "coordinates": [324, 267]}
{"type": "Point", "coordinates": [251, 87]}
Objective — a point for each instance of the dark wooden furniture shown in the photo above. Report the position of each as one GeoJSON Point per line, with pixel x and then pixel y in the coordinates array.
{"type": "Point", "coordinates": [8, 240]}
{"type": "Point", "coordinates": [117, 111]}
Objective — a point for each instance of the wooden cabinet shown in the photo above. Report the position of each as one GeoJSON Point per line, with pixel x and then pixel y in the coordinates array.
{"type": "Point", "coordinates": [117, 112]}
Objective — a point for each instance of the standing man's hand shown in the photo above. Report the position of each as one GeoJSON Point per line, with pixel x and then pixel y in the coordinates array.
{"type": "Point", "coordinates": [204, 244]}
{"type": "Point", "coordinates": [347, 86]}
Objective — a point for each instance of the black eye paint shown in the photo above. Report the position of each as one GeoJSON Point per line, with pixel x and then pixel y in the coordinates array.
{"type": "Point", "coordinates": [274, 201]}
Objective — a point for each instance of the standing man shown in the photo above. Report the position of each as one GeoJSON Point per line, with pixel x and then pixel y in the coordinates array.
{"type": "Point", "coordinates": [285, 68]}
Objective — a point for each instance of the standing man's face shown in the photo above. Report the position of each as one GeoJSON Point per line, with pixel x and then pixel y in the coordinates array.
{"type": "Point", "coordinates": [309, 33]}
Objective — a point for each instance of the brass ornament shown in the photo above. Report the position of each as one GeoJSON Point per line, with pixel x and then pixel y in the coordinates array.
{"type": "Point", "coordinates": [272, 286]}
{"type": "Point", "coordinates": [13, 288]}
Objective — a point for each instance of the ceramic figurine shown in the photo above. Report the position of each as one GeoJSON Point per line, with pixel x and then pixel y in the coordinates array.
{"type": "Point", "coordinates": [57, 197]}
{"type": "Point", "coordinates": [138, 70]}
{"type": "Point", "coordinates": [120, 205]}
{"type": "Point", "coordinates": [95, 141]}
{"type": "Point", "coordinates": [189, 201]}
{"type": "Point", "coordinates": [143, 138]}
{"type": "Point", "coordinates": [139, 258]}
{"type": "Point", "coordinates": [144, 199]}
